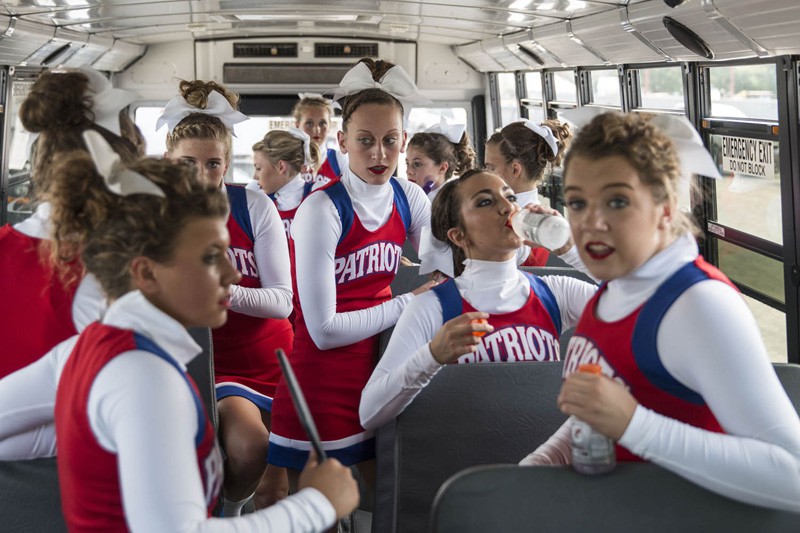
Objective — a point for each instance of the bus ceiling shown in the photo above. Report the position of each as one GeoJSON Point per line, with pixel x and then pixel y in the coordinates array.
{"type": "Point", "coordinates": [488, 35]}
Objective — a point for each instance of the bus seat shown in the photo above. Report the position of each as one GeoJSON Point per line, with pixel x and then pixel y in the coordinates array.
{"type": "Point", "coordinates": [29, 493]}
{"type": "Point", "coordinates": [559, 271]}
{"type": "Point", "coordinates": [201, 368]}
{"type": "Point", "coordinates": [467, 415]}
{"type": "Point", "coordinates": [409, 252]}
{"type": "Point", "coordinates": [553, 261]}
{"type": "Point", "coordinates": [634, 497]}
{"type": "Point", "coordinates": [407, 279]}
{"type": "Point", "coordinates": [510, 498]}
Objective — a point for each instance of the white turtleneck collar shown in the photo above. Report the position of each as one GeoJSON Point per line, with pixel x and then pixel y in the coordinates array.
{"type": "Point", "coordinates": [625, 294]}
{"type": "Point", "coordinates": [527, 197]}
{"type": "Point", "coordinates": [373, 203]}
{"type": "Point", "coordinates": [135, 312]}
{"type": "Point", "coordinates": [38, 224]}
{"type": "Point", "coordinates": [290, 195]}
{"type": "Point", "coordinates": [498, 285]}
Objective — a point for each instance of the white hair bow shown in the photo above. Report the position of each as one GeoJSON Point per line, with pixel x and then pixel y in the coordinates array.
{"type": "Point", "coordinates": [434, 254]}
{"type": "Point", "coordinates": [332, 103]}
{"type": "Point", "coordinates": [303, 136]}
{"type": "Point", "coordinates": [693, 155]}
{"type": "Point", "coordinates": [453, 132]}
{"type": "Point", "coordinates": [545, 133]}
{"type": "Point", "coordinates": [107, 101]}
{"type": "Point", "coordinates": [118, 179]}
{"type": "Point", "coordinates": [395, 82]}
{"type": "Point", "coordinates": [218, 106]}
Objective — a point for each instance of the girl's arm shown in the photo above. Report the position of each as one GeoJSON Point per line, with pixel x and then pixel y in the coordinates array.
{"type": "Point", "coordinates": [406, 366]}
{"type": "Point", "coordinates": [315, 230]}
{"type": "Point", "coordinates": [571, 295]}
{"type": "Point", "coordinates": [27, 400]}
{"type": "Point", "coordinates": [274, 298]}
{"type": "Point", "coordinates": [153, 436]}
{"type": "Point", "coordinates": [557, 450]}
{"type": "Point", "coordinates": [758, 460]}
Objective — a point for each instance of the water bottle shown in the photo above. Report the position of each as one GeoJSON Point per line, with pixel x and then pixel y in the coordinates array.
{"type": "Point", "coordinates": [549, 231]}
{"type": "Point", "coordinates": [592, 452]}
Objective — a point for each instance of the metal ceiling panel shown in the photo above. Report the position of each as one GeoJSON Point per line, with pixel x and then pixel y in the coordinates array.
{"type": "Point", "coordinates": [21, 39]}
{"type": "Point", "coordinates": [773, 26]}
{"type": "Point", "coordinates": [94, 47]}
{"type": "Point", "coordinates": [606, 34]}
{"type": "Point", "coordinates": [555, 38]}
{"type": "Point", "coordinates": [119, 56]}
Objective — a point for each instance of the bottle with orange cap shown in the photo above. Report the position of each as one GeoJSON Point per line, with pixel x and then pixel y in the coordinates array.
{"type": "Point", "coordinates": [592, 452]}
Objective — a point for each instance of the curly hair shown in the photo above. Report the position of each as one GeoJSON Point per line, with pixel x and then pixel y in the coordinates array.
{"type": "Point", "coordinates": [59, 109]}
{"type": "Point", "coordinates": [645, 147]}
{"type": "Point", "coordinates": [370, 96]}
{"type": "Point", "coordinates": [520, 143]}
{"type": "Point", "coordinates": [280, 145]}
{"type": "Point", "coordinates": [459, 156]}
{"type": "Point", "coordinates": [106, 230]}
{"type": "Point", "coordinates": [199, 125]}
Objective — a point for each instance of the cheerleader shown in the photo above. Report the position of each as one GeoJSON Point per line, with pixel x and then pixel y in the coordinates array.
{"type": "Point", "coordinates": [200, 120]}
{"type": "Point", "coordinates": [137, 451]}
{"type": "Point", "coordinates": [520, 153]}
{"type": "Point", "coordinates": [438, 154]}
{"type": "Point", "coordinates": [312, 114]}
{"type": "Point", "coordinates": [687, 382]}
{"type": "Point", "coordinates": [48, 308]}
{"type": "Point", "coordinates": [348, 238]}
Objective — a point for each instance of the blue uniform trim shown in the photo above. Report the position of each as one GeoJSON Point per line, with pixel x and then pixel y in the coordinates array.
{"type": "Point", "coordinates": [450, 299]}
{"type": "Point", "coordinates": [547, 298]}
{"type": "Point", "coordinates": [453, 305]}
{"type": "Point", "coordinates": [333, 162]}
{"type": "Point", "coordinates": [643, 341]}
{"type": "Point", "coordinates": [237, 198]}
{"type": "Point", "coordinates": [341, 200]}
{"type": "Point", "coordinates": [146, 345]}
{"type": "Point", "coordinates": [262, 402]}
{"type": "Point", "coordinates": [307, 187]}
{"type": "Point", "coordinates": [401, 201]}
{"type": "Point", "coordinates": [296, 459]}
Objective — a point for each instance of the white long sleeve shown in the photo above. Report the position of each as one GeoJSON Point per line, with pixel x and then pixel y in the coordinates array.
{"type": "Point", "coordinates": [407, 364]}
{"type": "Point", "coordinates": [274, 298]}
{"type": "Point", "coordinates": [160, 481]}
{"type": "Point", "coordinates": [27, 399]}
{"type": "Point", "coordinates": [316, 230]}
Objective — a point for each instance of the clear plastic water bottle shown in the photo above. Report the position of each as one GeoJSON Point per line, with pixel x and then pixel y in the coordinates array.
{"type": "Point", "coordinates": [549, 231]}
{"type": "Point", "coordinates": [592, 452]}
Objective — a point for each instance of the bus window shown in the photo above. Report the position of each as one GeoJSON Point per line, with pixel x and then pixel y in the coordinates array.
{"type": "Point", "coordinates": [507, 89]}
{"type": "Point", "coordinates": [534, 101]}
{"type": "Point", "coordinates": [746, 91]}
{"type": "Point", "coordinates": [772, 323]}
{"type": "Point", "coordinates": [661, 88]}
{"type": "Point", "coordinates": [749, 193]}
{"type": "Point", "coordinates": [605, 88]}
{"type": "Point", "coordinates": [19, 194]}
{"type": "Point", "coordinates": [564, 86]}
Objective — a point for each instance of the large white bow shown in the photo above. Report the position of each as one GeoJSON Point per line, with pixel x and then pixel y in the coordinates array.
{"type": "Point", "coordinates": [434, 254]}
{"type": "Point", "coordinates": [107, 101]}
{"type": "Point", "coordinates": [118, 179]}
{"type": "Point", "coordinates": [453, 132]}
{"type": "Point", "coordinates": [395, 82]}
{"type": "Point", "coordinates": [303, 136]}
{"type": "Point", "coordinates": [545, 133]}
{"type": "Point", "coordinates": [218, 106]}
{"type": "Point", "coordinates": [693, 155]}
{"type": "Point", "coordinates": [332, 103]}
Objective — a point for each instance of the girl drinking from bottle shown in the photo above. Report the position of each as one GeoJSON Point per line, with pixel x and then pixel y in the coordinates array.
{"type": "Point", "coordinates": [438, 154]}
{"type": "Point", "coordinates": [490, 312]}
{"type": "Point", "coordinates": [200, 121]}
{"type": "Point", "coordinates": [520, 153]}
{"type": "Point", "coordinates": [137, 451]}
{"type": "Point", "coordinates": [312, 114]}
{"type": "Point", "coordinates": [686, 380]}
{"type": "Point", "coordinates": [348, 238]}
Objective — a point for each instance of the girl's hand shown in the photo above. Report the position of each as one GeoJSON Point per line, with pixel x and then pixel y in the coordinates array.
{"type": "Point", "coordinates": [599, 401]}
{"type": "Point", "coordinates": [537, 208]}
{"type": "Point", "coordinates": [459, 336]}
{"type": "Point", "coordinates": [425, 287]}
